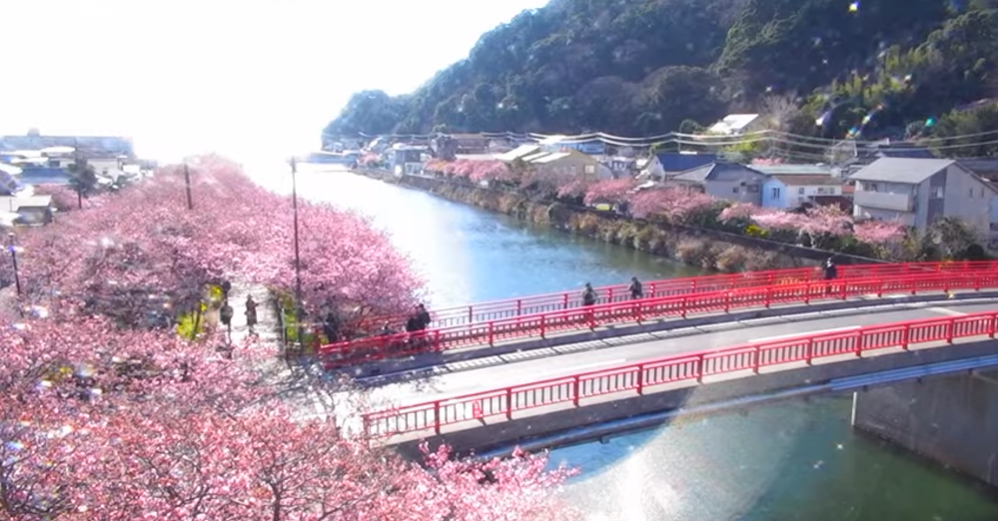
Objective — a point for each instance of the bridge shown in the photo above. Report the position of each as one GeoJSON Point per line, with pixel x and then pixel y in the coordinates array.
{"type": "Point", "coordinates": [548, 320]}
{"type": "Point", "coordinates": [889, 325]}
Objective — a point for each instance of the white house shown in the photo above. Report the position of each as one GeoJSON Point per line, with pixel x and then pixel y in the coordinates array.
{"type": "Point", "coordinates": [790, 191]}
{"type": "Point", "coordinates": [918, 192]}
{"type": "Point", "coordinates": [734, 124]}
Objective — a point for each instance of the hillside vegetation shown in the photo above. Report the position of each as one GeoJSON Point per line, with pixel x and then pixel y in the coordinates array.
{"type": "Point", "coordinates": [643, 67]}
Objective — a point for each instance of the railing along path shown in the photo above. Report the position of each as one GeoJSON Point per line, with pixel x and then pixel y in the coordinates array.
{"type": "Point", "coordinates": [533, 304]}
{"type": "Point", "coordinates": [636, 311]}
{"type": "Point", "coordinates": [640, 378]}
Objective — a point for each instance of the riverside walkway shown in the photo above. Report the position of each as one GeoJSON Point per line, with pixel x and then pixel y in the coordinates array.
{"type": "Point", "coordinates": [719, 299]}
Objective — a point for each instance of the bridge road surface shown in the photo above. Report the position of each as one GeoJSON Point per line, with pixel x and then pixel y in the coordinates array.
{"type": "Point", "coordinates": [502, 371]}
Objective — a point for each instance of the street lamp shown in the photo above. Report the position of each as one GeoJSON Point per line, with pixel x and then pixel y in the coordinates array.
{"type": "Point", "coordinates": [13, 261]}
{"type": "Point", "coordinates": [294, 205]}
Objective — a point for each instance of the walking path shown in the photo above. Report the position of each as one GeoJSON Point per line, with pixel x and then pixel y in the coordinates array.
{"type": "Point", "coordinates": [302, 387]}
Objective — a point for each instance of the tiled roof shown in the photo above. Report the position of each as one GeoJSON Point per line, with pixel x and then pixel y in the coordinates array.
{"type": "Point", "coordinates": [672, 162]}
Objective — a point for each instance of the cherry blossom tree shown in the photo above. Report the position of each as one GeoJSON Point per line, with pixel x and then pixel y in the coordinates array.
{"type": "Point", "coordinates": [490, 170]}
{"type": "Point", "coordinates": [612, 191]}
{"type": "Point", "coordinates": [143, 247]}
{"type": "Point", "coordinates": [574, 188]}
{"type": "Point", "coordinates": [879, 232]}
{"type": "Point", "coordinates": [101, 424]}
{"type": "Point", "coordinates": [64, 198]}
{"type": "Point", "coordinates": [677, 205]}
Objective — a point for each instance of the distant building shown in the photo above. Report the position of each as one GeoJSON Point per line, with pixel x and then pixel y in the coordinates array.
{"type": "Point", "coordinates": [727, 181]}
{"type": "Point", "coordinates": [919, 192]}
{"type": "Point", "coordinates": [407, 160]}
{"type": "Point", "coordinates": [568, 163]}
{"type": "Point", "coordinates": [667, 164]}
{"type": "Point", "coordinates": [560, 143]}
{"type": "Point", "coordinates": [88, 146]}
{"type": "Point", "coordinates": [735, 124]}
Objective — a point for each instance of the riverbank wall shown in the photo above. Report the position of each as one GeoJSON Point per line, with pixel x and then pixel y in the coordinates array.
{"type": "Point", "coordinates": [708, 249]}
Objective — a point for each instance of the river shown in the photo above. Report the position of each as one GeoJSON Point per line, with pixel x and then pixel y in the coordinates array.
{"type": "Point", "coordinates": [786, 462]}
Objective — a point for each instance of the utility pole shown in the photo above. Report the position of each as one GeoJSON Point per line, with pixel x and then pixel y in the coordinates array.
{"type": "Point", "coordinates": [79, 173]}
{"type": "Point", "coordinates": [294, 205]}
{"type": "Point", "coordinates": [187, 181]}
{"type": "Point", "coordinates": [13, 260]}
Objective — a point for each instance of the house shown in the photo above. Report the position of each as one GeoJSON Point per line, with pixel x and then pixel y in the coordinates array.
{"type": "Point", "coordinates": [918, 192]}
{"type": "Point", "coordinates": [406, 159]}
{"type": "Point", "coordinates": [560, 143]}
{"type": "Point", "coordinates": [984, 167]}
{"type": "Point", "coordinates": [519, 152]}
{"type": "Point", "coordinates": [470, 143]}
{"type": "Point", "coordinates": [621, 167]}
{"type": "Point", "coordinates": [33, 210]}
{"type": "Point", "coordinates": [735, 124]}
{"type": "Point", "coordinates": [667, 164]}
{"type": "Point", "coordinates": [568, 163]}
{"type": "Point", "coordinates": [792, 191]}
{"type": "Point", "coordinates": [727, 181]}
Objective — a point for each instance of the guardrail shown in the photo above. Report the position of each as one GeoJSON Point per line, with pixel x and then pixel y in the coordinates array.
{"type": "Point", "coordinates": [589, 317]}
{"type": "Point", "coordinates": [533, 304]}
{"type": "Point", "coordinates": [640, 377]}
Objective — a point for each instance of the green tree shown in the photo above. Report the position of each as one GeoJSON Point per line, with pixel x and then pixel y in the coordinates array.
{"type": "Point", "coordinates": [83, 179]}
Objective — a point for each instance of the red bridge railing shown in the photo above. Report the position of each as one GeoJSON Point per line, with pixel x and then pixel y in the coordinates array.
{"type": "Point", "coordinates": [643, 377]}
{"type": "Point", "coordinates": [580, 318]}
{"type": "Point", "coordinates": [533, 304]}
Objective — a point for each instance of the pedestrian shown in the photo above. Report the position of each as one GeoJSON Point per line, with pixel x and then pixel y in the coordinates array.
{"type": "Point", "coordinates": [331, 327]}
{"type": "Point", "coordinates": [423, 316]}
{"type": "Point", "coordinates": [589, 295]}
{"type": "Point", "coordinates": [225, 314]}
{"type": "Point", "coordinates": [831, 270]}
{"type": "Point", "coordinates": [226, 286]}
{"type": "Point", "coordinates": [637, 291]}
{"type": "Point", "coordinates": [251, 314]}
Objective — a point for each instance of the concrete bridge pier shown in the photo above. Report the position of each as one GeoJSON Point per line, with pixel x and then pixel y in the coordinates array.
{"type": "Point", "coordinates": [952, 420]}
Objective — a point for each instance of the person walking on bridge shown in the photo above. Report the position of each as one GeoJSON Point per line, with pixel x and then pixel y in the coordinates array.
{"type": "Point", "coordinates": [225, 315]}
{"type": "Point", "coordinates": [637, 291]}
{"type": "Point", "coordinates": [589, 295]}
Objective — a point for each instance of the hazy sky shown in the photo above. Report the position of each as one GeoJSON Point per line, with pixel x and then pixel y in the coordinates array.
{"type": "Point", "coordinates": [238, 77]}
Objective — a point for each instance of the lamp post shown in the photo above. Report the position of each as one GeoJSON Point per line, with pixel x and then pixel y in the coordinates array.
{"type": "Point", "coordinates": [13, 261]}
{"type": "Point", "coordinates": [294, 205]}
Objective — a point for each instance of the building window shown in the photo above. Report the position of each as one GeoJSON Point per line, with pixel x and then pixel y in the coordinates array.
{"type": "Point", "coordinates": [937, 192]}
{"type": "Point", "coordinates": [971, 194]}
{"type": "Point", "coordinates": [775, 193]}
{"type": "Point", "coordinates": [753, 189]}
{"type": "Point", "coordinates": [870, 187]}
{"type": "Point", "coordinates": [54, 163]}
{"type": "Point", "coordinates": [734, 189]}
{"type": "Point", "coordinates": [800, 190]}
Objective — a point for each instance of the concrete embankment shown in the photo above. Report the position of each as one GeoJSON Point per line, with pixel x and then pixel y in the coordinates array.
{"type": "Point", "coordinates": [710, 249]}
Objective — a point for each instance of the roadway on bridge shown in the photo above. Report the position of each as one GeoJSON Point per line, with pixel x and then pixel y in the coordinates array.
{"type": "Point", "coordinates": [524, 368]}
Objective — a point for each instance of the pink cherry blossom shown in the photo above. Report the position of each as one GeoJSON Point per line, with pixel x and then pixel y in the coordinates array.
{"type": "Point", "coordinates": [101, 423]}
{"type": "Point", "coordinates": [677, 205]}
{"type": "Point", "coordinates": [574, 188]}
{"type": "Point", "coordinates": [64, 198]}
{"type": "Point", "coordinates": [879, 232]}
{"type": "Point", "coordinates": [612, 191]}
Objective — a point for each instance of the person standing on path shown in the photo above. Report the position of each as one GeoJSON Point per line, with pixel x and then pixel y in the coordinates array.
{"type": "Point", "coordinates": [225, 314]}
{"type": "Point", "coordinates": [251, 314]}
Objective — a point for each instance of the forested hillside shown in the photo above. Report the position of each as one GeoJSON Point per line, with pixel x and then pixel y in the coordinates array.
{"type": "Point", "coordinates": [642, 67]}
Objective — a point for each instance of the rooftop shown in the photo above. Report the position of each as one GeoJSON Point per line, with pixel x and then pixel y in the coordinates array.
{"type": "Point", "coordinates": [808, 180]}
{"type": "Point", "coordinates": [903, 170]}
{"type": "Point", "coordinates": [519, 152]}
{"type": "Point", "coordinates": [733, 123]}
{"type": "Point", "coordinates": [548, 158]}
{"type": "Point", "coordinates": [801, 169]}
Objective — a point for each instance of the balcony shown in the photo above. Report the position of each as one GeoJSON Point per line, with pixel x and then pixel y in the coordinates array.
{"type": "Point", "coordinates": [885, 201]}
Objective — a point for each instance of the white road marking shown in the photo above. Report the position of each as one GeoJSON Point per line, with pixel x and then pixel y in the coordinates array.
{"type": "Point", "coordinates": [803, 333]}
{"type": "Point", "coordinates": [946, 311]}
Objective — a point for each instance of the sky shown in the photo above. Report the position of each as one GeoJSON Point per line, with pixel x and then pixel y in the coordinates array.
{"type": "Point", "coordinates": [241, 78]}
